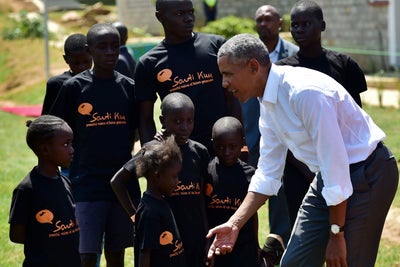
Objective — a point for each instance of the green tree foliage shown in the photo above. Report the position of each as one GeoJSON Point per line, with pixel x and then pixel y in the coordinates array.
{"type": "Point", "coordinates": [230, 26]}
{"type": "Point", "coordinates": [23, 27]}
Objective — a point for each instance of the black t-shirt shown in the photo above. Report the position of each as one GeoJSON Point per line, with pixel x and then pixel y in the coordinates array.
{"type": "Point", "coordinates": [190, 68]}
{"type": "Point", "coordinates": [53, 88]}
{"type": "Point", "coordinates": [339, 66]}
{"type": "Point", "coordinates": [46, 207]}
{"type": "Point", "coordinates": [187, 201]}
{"type": "Point", "coordinates": [156, 229]}
{"type": "Point", "coordinates": [226, 190]}
{"type": "Point", "coordinates": [102, 114]}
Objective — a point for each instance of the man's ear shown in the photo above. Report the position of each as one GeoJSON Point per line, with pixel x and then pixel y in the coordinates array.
{"type": "Point", "coordinates": [253, 65]}
{"type": "Point", "coordinates": [281, 23]}
{"type": "Point", "coordinates": [323, 26]}
{"type": "Point", "coordinates": [158, 15]}
{"type": "Point", "coordinates": [162, 121]}
{"type": "Point", "coordinates": [65, 57]}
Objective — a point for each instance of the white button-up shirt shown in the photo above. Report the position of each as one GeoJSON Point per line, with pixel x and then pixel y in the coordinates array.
{"type": "Point", "coordinates": [274, 55]}
{"type": "Point", "coordinates": [313, 116]}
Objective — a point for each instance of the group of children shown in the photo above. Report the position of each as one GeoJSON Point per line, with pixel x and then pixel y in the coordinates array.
{"type": "Point", "coordinates": [187, 192]}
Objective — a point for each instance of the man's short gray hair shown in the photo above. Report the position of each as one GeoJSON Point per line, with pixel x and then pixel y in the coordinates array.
{"type": "Point", "coordinates": [243, 47]}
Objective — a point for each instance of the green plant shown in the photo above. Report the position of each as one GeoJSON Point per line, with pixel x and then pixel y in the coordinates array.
{"type": "Point", "coordinates": [230, 26]}
{"type": "Point", "coordinates": [24, 26]}
{"type": "Point", "coordinates": [286, 23]}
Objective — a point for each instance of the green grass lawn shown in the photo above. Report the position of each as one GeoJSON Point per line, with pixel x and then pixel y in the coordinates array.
{"type": "Point", "coordinates": [16, 160]}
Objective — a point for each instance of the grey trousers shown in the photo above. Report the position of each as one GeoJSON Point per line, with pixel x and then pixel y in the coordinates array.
{"type": "Point", "coordinates": [374, 183]}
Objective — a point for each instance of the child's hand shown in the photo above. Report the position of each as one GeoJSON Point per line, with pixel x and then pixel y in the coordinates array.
{"type": "Point", "coordinates": [160, 135]}
{"type": "Point", "coordinates": [209, 262]}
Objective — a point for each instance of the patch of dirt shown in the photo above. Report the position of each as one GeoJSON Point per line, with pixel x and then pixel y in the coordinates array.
{"type": "Point", "coordinates": [391, 230]}
{"type": "Point", "coordinates": [18, 5]}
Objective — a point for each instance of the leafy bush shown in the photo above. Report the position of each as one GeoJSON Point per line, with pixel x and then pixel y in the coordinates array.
{"type": "Point", "coordinates": [24, 26]}
{"type": "Point", "coordinates": [230, 26]}
{"type": "Point", "coordinates": [286, 23]}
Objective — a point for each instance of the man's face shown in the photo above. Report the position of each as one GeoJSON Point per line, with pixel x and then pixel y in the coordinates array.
{"type": "Point", "coordinates": [105, 50]}
{"type": "Point", "coordinates": [305, 27]}
{"type": "Point", "coordinates": [238, 78]}
{"type": "Point", "coordinates": [268, 23]}
{"type": "Point", "coordinates": [177, 18]}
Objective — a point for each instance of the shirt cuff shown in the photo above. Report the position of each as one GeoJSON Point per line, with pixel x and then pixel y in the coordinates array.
{"type": "Point", "coordinates": [264, 185]}
{"type": "Point", "coordinates": [335, 195]}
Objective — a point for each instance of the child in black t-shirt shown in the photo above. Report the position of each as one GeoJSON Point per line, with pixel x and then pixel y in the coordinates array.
{"type": "Point", "coordinates": [187, 201]}
{"type": "Point", "coordinates": [78, 60]}
{"type": "Point", "coordinates": [157, 238]}
{"type": "Point", "coordinates": [42, 214]}
{"type": "Point", "coordinates": [99, 106]}
{"type": "Point", "coordinates": [227, 188]}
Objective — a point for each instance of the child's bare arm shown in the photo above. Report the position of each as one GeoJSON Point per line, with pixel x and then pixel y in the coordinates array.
{"type": "Point", "coordinates": [17, 233]}
{"type": "Point", "coordinates": [119, 186]}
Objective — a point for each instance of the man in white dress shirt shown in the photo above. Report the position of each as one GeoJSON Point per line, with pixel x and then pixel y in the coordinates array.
{"type": "Point", "coordinates": [309, 113]}
{"type": "Point", "coordinates": [268, 25]}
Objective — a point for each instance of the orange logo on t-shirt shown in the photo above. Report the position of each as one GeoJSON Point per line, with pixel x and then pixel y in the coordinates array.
{"type": "Point", "coordinates": [166, 238]}
{"type": "Point", "coordinates": [45, 216]}
{"type": "Point", "coordinates": [208, 189]}
{"type": "Point", "coordinates": [85, 108]}
{"type": "Point", "coordinates": [164, 75]}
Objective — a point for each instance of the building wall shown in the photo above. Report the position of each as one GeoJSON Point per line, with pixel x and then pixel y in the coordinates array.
{"type": "Point", "coordinates": [353, 26]}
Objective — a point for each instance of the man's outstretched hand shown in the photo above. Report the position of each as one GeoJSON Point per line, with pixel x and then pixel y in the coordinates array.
{"type": "Point", "coordinates": [225, 238]}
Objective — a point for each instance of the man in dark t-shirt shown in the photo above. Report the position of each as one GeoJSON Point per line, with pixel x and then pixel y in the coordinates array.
{"type": "Point", "coordinates": [185, 62]}
{"type": "Point", "coordinates": [99, 106]}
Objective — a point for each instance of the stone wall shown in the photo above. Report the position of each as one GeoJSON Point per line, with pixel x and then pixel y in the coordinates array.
{"type": "Point", "coordinates": [353, 26]}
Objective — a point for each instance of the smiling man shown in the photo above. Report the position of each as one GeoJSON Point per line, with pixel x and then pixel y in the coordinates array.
{"type": "Point", "coordinates": [316, 118]}
{"type": "Point", "coordinates": [268, 26]}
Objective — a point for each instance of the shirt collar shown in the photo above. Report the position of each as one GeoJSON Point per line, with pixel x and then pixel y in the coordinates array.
{"type": "Point", "coordinates": [271, 87]}
{"type": "Point", "coordinates": [274, 55]}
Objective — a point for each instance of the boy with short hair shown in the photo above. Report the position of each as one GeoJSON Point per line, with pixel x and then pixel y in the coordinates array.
{"type": "Point", "coordinates": [226, 189]}
{"type": "Point", "coordinates": [99, 106]}
{"type": "Point", "coordinates": [78, 60]}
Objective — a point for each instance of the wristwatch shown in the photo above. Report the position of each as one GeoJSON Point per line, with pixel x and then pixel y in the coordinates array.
{"type": "Point", "coordinates": [335, 229]}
